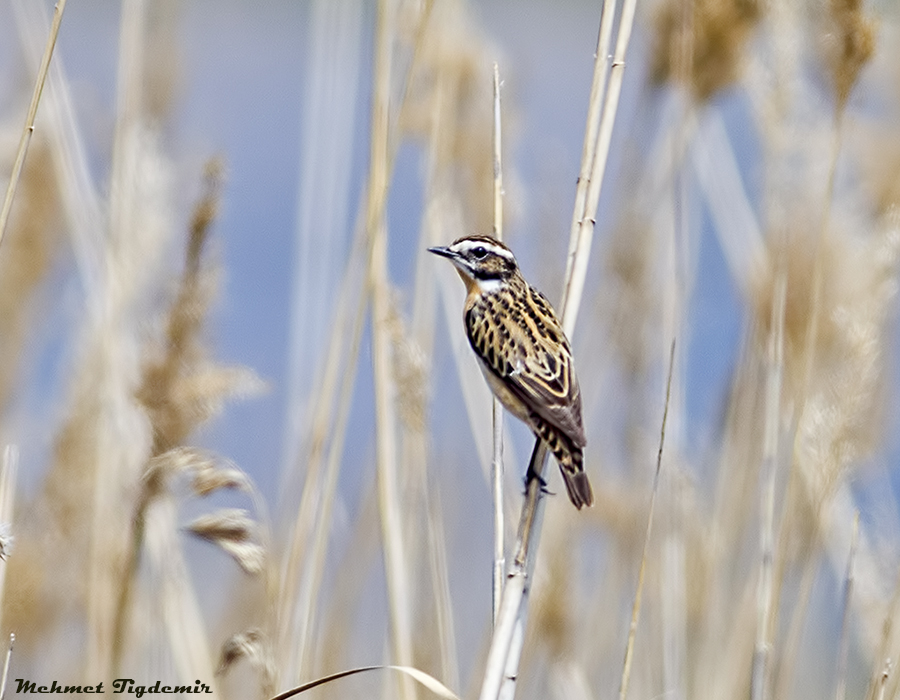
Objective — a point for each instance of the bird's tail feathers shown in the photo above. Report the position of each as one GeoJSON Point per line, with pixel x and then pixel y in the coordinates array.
{"type": "Point", "coordinates": [579, 488]}
{"type": "Point", "coordinates": [571, 462]}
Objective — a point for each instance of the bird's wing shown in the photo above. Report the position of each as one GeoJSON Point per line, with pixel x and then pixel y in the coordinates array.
{"type": "Point", "coordinates": [526, 348]}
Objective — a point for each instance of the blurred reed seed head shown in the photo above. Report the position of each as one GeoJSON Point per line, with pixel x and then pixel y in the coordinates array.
{"type": "Point", "coordinates": [449, 103]}
{"type": "Point", "coordinates": [848, 42]}
{"type": "Point", "coordinates": [180, 388]}
{"type": "Point", "coordinates": [31, 601]}
{"type": "Point", "coordinates": [632, 303]}
{"type": "Point", "coordinates": [235, 532]}
{"type": "Point", "coordinates": [880, 164]}
{"type": "Point", "coordinates": [28, 252]}
{"type": "Point", "coordinates": [204, 472]}
{"type": "Point", "coordinates": [252, 645]}
{"type": "Point", "coordinates": [700, 42]}
{"type": "Point", "coordinates": [839, 389]}
{"type": "Point", "coordinates": [411, 374]}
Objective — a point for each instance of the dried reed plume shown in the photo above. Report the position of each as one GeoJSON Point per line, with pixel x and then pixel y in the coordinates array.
{"type": "Point", "coordinates": [700, 42]}
{"type": "Point", "coordinates": [848, 43]}
{"type": "Point", "coordinates": [180, 389]}
{"type": "Point", "coordinates": [29, 252]}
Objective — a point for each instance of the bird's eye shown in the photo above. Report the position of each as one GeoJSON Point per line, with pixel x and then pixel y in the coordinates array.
{"type": "Point", "coordinates": [479, 252]}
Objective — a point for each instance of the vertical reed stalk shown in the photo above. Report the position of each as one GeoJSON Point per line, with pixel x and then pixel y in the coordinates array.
{"type": "Point", "coordinates": [388, 484]}
{"type": "Point", "coordinates": [883, 679]}
{"type": "Point", "coordinates": [437, 217]}
{"type": "Point", "coordinates": [840, 692]}
{"type": "Point", "coordinates": [108, 549]}
{"type": "Point", "coordinates": [5, 676]}
{"type": "Point", "coordinates": [309, 593]}
{"type": "Point", "coordinates": [589, 146]}
{"type": "Point", "coordinates": [8, 479]}
{"type": "Point", "coordinates": [295, 604]}
{"type": "Point", "coordinates": [636, 605]}
{"type": "Point", "coordinates": [503, 655]}
{"type": "Point", "coordinates": [28, 129]}
{"type": "Point", "coordinates": [574, 285]}
{"type": "Point", "coordinates": [775, 370]}
{"type": "Point", "coordinates": [497, 459]}
{"type": "Point", "coordinates": [81, 201]}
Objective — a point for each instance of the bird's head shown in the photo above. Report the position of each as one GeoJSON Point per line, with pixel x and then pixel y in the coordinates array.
{"type": "Point", "coordinates": [481, 261]}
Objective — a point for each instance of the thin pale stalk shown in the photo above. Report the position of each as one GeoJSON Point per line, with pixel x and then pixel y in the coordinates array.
{"type": "Point", "coordinates": [497, 459]}
{"type": "Point", "coordinates": [12, 641]}
{"type": "Point", "coordinates": [8, 480]}
{"type": "Point", "coordinates": [496, 671]}
{"type": "Point", "coordinates": [28, 129]}
{"type": "Point", "coordinates": [177, 608]}
{"type": "Point", "coordinates": [129, 90]}
{"type": "Point", "coordinates": [592, 126]}
{"type": "Point", "coordinates": [788, 659]}
{"type": "Point", "coordinates": [437, 553]}
{"type": "Point", "coordinates": [424, 317]}
{"type": "Point", "coordinates": [883, 652]}
{"type": "Point", "coordinates": [309, 526]}
{"type": "Point", "coordinates": [883, 679]}
{"type": "Point", "coordinates": [323, 201]}
{"type": "Point", "coordinates": [574, 286]}
{"type": "Point", "coordinates": [844, 645]}
{"type": "Point", "coordinates": [638, 594]}
{"type": "Point", "coordinates": [302, 574]}
{"type": "Point", "coordinates": [503, 657]}
{"type": "Point", "coordinates": [348, 587]}
{"type": "Point", "coordinates": [674, 613]}
{"type": "Point", "coordinates": [418, 46]}
{"type": "Point", "coordinates": [870, 582]}
{"type": "Point", "coordinates": [127, 579]}
{"type": "Point", "coordinates": [497, 497]}
{"type": "Point", "coordinates": [295, 619]}
{"type": "Point", "coordinates": [508, 688]}
{"type": "Point", "coordinates": [81, 202]}
{"type": "Point", "coordinates": [812, 328]}
{"type": "Point", "coordinates": [759, 680]}
{"type": "Point", "coordinates": [498, 160]}
{"type": "Point", "coordinates": [388, 485]}
{"type": "Point", "coordinates": [309, 593]}
{"type": "Point", "coordinates": [434, 685]}
{"type": "Point", "coordinates": [111, 584]}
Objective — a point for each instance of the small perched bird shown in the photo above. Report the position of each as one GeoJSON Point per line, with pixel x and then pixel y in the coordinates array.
{"type": "Point", "coordinates": [523, 352]}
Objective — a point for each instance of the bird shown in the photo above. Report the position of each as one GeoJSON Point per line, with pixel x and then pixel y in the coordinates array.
{"type": "Point", "coordinates": [523, 352]}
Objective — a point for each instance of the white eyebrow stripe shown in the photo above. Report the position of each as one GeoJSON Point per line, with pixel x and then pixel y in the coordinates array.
{"type": "Point", "coordinates": [466, 246]}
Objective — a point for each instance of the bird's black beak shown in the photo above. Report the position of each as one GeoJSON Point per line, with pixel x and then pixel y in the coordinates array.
{"type": "Point", "coordinates": [442, 251]}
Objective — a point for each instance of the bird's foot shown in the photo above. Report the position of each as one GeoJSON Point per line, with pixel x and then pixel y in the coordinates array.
{"type": "Point", "coordinates": [532, 475]}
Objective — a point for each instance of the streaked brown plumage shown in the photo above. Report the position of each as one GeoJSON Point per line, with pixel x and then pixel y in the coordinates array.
{"type": "Point", "coordinates": [523, 352]}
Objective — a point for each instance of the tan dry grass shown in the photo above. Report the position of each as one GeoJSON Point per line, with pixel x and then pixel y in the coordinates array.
{"type": "Point", "coordinates": [848, 44]}
{"type": "Point", "coordinates": [700, 43]}
{"type": "Point", "coordinates": [30, 248]}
